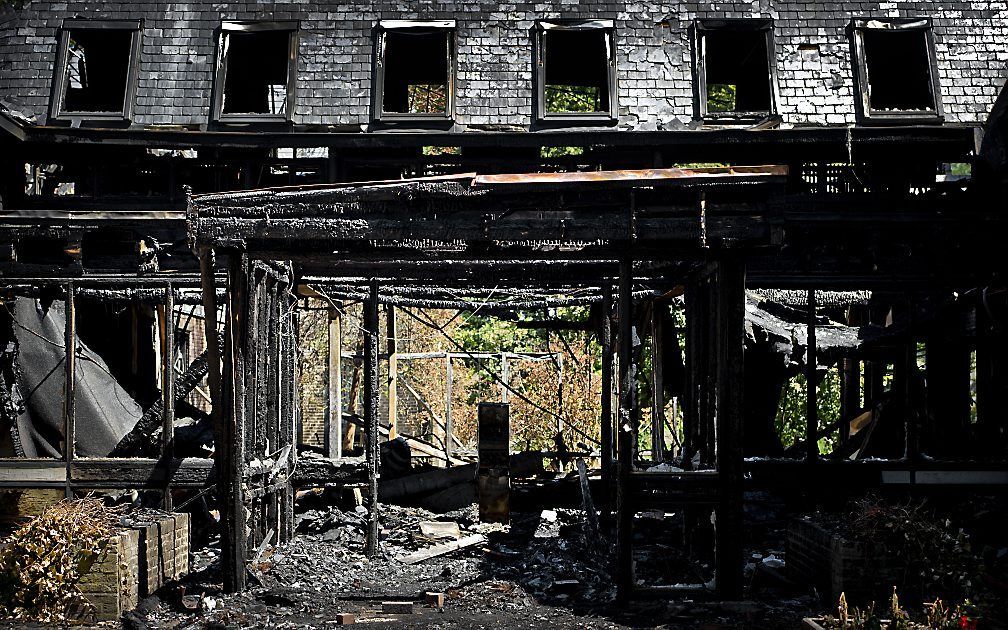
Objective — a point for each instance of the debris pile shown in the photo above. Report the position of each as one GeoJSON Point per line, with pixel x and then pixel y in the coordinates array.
{"type": "Point", "coordinates": [42, 562]}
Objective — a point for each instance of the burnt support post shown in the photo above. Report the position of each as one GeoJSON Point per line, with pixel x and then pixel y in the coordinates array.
{"type": "Point", "coordinates": [658, 385]}
{"type": "Point", "coordinates": [70, 387]}
{"type": "Point", "coordinates": [730, 315]}
{"type": "Point", "coordinates": [227, 442]}
{"type": "Point", "coordinates": [811, 391]}
{"type": "Point", "coordinates": [850, 386]}
{"type": "Point", "coordinates": [690, 399]}
{"type": "Point", "coordinates": [606, 420]}
{"type": "Point", "coordinates": [168, 382]}
{"type": "Point", "coordinates": [371, 403]}
{"type": "Point", "coordinates": [626, 434]}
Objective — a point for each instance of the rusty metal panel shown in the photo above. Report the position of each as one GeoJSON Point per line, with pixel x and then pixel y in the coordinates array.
{"type": "Point", "coordinates": [494, 475]}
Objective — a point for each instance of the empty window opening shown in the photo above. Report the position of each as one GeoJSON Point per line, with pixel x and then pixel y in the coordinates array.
{"type": "Point", "coordinates": [737, 71]}
{"type": "Point", "coordinates": [257, 70]}
{"type": "Point", "coordinates": [97, 71]}
{"type": "Point", "coordinates": [899, 70]}
{"type": "Point", "coordinates": [416, 64]}
{"type": "Point", "coordinates": [576, 71]}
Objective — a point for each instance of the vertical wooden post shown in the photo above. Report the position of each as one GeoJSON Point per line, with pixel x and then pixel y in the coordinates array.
{"type": "Point", "coordinates": [231, 466]}
{"type": "Point", "coordinates": [850, 386]}
{"type": "Point", "coordinates": [730, 315]}
{"type": "Point", "coordinates": [657, 385]}
{"type": "Point", "coordinates": [168, 417]}
{"type": "Point", "coordinates": [393, 371]}
{"type": "Point", "coordinates": [289, 408]}
{"type": "Point", "coordinates": [333, 439]}
{"type": "Point", "coordinates": [606, 421]}
{"type": "Point", "coordinates": [227, 442]}
{"type": "Point", "coordinates": [690, 399]}
{"type": "Point", "coordinates": [70, 387]}
{"type": "Point", "coordinates": [626, 434]}
{"type": "Point", "coordinates": [905, 375]}
{"type": "Point", "coordinates": [811, 398]}
{"type": "Point", "coordinates": [371, 403]}
{"type": "Point", "coordinates": [449, 378]}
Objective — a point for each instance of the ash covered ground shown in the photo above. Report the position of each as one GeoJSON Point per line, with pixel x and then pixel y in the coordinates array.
{"type": "Point", "coordinates": [540, 571]}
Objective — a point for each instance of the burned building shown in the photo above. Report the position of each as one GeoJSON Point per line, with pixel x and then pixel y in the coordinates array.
{"type": "Point", "coordinates": [815, 187]}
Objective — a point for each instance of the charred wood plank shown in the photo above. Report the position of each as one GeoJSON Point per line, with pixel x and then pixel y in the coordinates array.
{"type": "Point", "coordinates": [141, 438]}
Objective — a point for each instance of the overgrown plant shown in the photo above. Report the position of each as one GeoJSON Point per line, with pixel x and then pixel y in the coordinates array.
{"type": "Point", "coordinates": [935, 616]}
{"type": "Point", "coordinates": [42, 562]}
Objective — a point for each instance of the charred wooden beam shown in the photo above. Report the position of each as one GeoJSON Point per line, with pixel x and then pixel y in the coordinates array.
{"type": "Point", "coordinates": [730, 315]}
{"type": "Point", "coordinates": [606, 420]}
{"type": "Point", "coordinates": [231, 465]}
{"type": "Point", "coordinates": [139, 439]}
{"type": "Point", "coordinates": [626, 434]}
{"type": "Point", "coordinates": [69, 390]}
{"type": "Point", "coordinates": [371, 404]}
{"type": "Point", "coordinates": [811, 390]}
{"type": "Point", "coordinates": [168, 385]}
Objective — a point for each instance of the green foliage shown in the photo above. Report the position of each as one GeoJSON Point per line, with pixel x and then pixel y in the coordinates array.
{"type": "Point", "coordinates": [426, 99]}
{"type": "Point", "coordinates": [720, 97]}
{"type": "Point", "coordinates": [790, 421]}
{"type": "Point", "coordinates": [432, 150]}
{"type": "Point", "coordinates": [566, 99]}
{"type": "Point", "coordinates": [961, 169]}
{"type": "Point", "coordinates": [556, 152]}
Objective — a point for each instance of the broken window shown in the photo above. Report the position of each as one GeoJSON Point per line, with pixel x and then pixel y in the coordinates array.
{"type": "Point", "coordinates": [96, 69]}
{"type": "Point", "coordinates": [257, 65]}
{"type": "Point", "coordinates": [895, 75]}
{"type": "Point", "coordinates": [735, 69]}
{"type": "Point", "coordinates": [414, 70]}
{"type": "Point", "coordinates": [575, 70]}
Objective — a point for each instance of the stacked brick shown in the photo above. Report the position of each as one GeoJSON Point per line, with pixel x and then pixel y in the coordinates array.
{"type": "Point", "coordinates": [141, 558]}
{"type": "Point", "coordinates": [494, 67]}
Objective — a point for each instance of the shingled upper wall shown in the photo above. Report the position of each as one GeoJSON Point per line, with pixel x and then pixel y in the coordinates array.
{"type": "Point", "coordinates": [494, 84]}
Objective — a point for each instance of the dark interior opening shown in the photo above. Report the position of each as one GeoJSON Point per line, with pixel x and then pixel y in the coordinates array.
{"type": "Point", "coordinates": [575, 71]}
{"type": "Point", "coordinates": [737, 71]}
{"type": "Point", "coordinates": [256, 77]}
{"type": "Point", "coordinates": [97, 71]}
{"type": "Point", "coordinates": [899, 71]}
{"type": "Point", "coordinates": [416, 71]}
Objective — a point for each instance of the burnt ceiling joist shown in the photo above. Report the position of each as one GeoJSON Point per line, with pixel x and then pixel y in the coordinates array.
{"type": "Point", "coordinates": [835, 144]}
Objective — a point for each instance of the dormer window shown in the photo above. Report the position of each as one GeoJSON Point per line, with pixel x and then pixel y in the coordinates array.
{"type": "Point", "coordinates": [414, 73]}
{"type": "Point", "coordinates": [256, 72]}
{"type": "Point", "coordinates": [895, 73]}
{"type": "Point", "coordinates": [96, 70]}
{"type": "Point", "coordinates": [735, 71]}
{"type": "Point", "coordinates": [575, 71]}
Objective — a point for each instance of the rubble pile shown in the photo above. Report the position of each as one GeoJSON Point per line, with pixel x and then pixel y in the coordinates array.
{"type": "Point", "coordinates": [42, 562]}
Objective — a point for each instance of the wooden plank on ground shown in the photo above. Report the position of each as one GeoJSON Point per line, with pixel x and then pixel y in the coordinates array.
{"type": "Point", "coordinates": [435, 551]}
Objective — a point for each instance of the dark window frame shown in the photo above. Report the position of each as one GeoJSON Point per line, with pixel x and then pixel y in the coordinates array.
{"type": "Point", "coordinates": [701, 27]}
{"type": "Point", "coordinates": [608, 28]}
{"type": "Point", "coordinates": [56, 110]}
{"type": "Point", "coordinates": [293, 27]}
{"type": "Point", "coordinates": [859, 62]}
{"type": "Point", "coordinates": [378, 63]}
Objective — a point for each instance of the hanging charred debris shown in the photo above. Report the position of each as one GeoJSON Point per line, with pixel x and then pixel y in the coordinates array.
{"type": "Point", "coordinates": [317, 314]}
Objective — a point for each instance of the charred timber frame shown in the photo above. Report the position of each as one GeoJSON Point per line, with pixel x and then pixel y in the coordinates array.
{"type": "Point", "coordinates": [371, 407]}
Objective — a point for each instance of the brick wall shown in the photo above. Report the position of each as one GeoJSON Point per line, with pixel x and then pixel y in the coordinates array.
{"type": "Point", "coordinates": [495, 58]}
{"type": "Point", "coordinates": [141, 559]}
